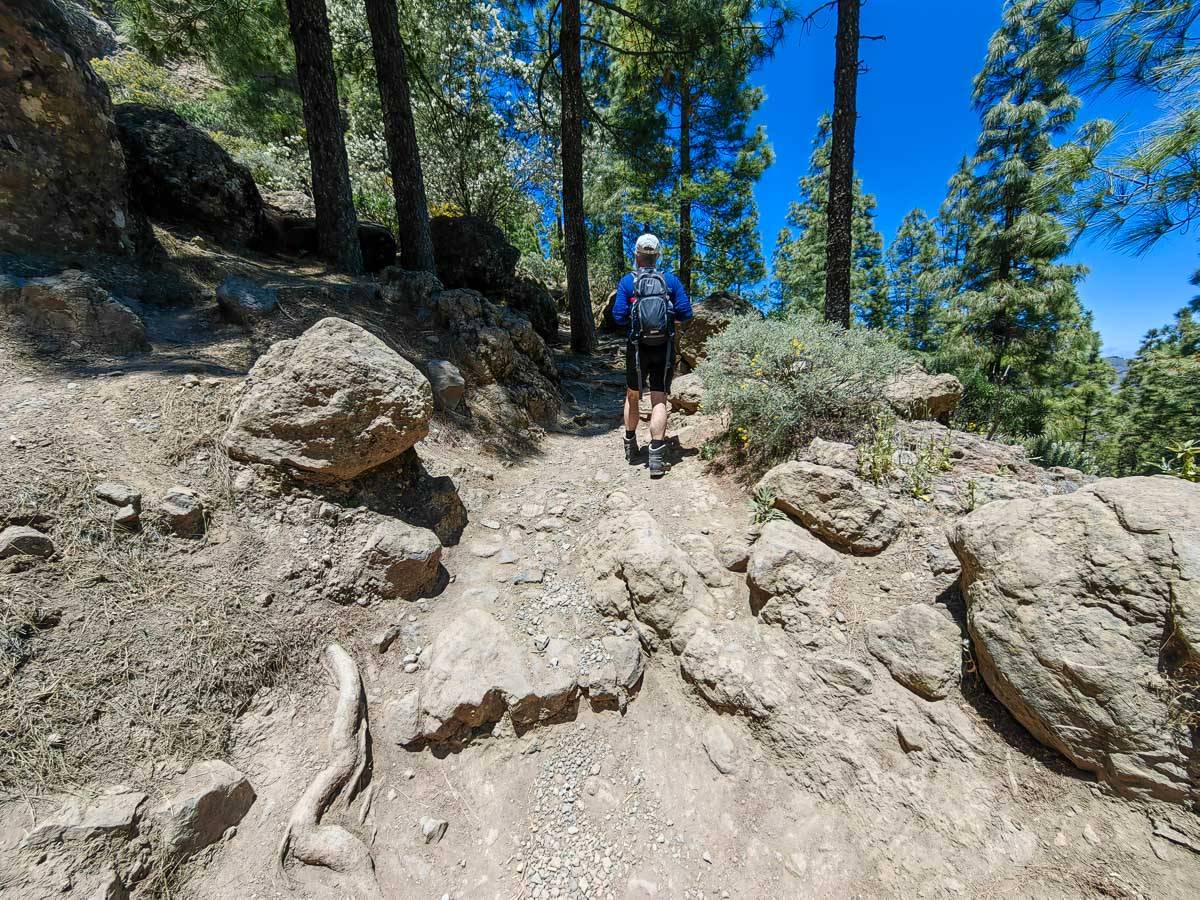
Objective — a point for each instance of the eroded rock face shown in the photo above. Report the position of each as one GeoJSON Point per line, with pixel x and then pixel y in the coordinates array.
{"type": "Point", "coordinates": [533, 299]}
{"type": "Point", "coordinates": [471, 253]}
{"type": "Point", "coordinates": [92, 35]}
{"type": "Point", "coordinates": [1081, 608]}
{"type": "Point", "coordinates": [63, 182]}
{"type": "Point", "coordinates": [835, 505]}
{"type": "Point", "coordinates": [916, 394]}
{"type": "Point", "coordinates": [330, 404]}
{"type": "Point", "coordinates": [72, 306]}
{"type": "Point", "coordinates": [921, 648]}
{"type": "Point", "coordinates": [181, 176]}
{"type": "Point", "coordinates": [733, 668]}
{"type": "Point", "coordinates": [244, 301]}
{"type": "Point", "coordinates": [712, 316]}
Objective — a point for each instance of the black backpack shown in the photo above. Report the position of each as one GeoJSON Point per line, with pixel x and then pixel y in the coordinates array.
{"type": "Point", "coordinates": [653, 312]}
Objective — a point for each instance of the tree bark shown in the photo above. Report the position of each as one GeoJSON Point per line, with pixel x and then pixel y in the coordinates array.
{"type": "Point", "coordinates": [408, 183]}
{"type": "Point", "coordinates": [839, 241]}
{"type": "Point", "coordinates": [686, 243]}
{"type": "Point", "coordinates": [337, 224]}
{"type": "Point", "coordinates": [574, 232]}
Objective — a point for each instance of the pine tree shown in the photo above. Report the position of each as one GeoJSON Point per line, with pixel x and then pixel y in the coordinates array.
{"type": "Point", "coordinates": [914, 282]}
{"type": "Point", "coordinates": [1020, 303]}
{"type": "Point", "coordinates": [800, 248]}
{"type": "Point", "coordinates": [337, 224]}
{"type": "Point", "coordinates": [1079, 416]}
{"type": "Point", "coordinates": [1159, 400]}
{"type": "Point", "coordinates": [840, 241]}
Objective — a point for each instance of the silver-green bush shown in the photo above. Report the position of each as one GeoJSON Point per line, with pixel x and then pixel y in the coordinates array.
{"type": "Point", "coordinates": [782, 381]}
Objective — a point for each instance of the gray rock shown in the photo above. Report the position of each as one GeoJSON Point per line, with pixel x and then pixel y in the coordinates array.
{"type": "Point", "coordinates": [447, 383]}
{"type": "Point", "coordinates": [433, 830]}
{"type": "Point", "coordinates": [529, 576]}
{"type": "Point", "coordinates": [712, 315]}
{"type": "Point", "coordinates": [182, 511]}
{"type": "Point", "coordinates": [921, 647]}
{"type": "Point", "coordinates": [833, 454]}
{"type": "Point", "coordinates": [73, 307]}
{"type": "Point", "coordinates": [128, 517]}
{"type": "Point", "coordinates": [244, 301]}
{"type": "Point", "coordinates": [791, 576]}
{"type": "Point", "coordinates": [735, 553]}
{"type": "Point", "coordinates": [843, 675]}
{"type": "Point", "coordinates": [398, 560]}
{"type": "Point", "coordinates": [733, 670]}
{"type": "Point", "coordinates": [835, 505]}
{"type": "Point", "coordinates": [21, 540]}
{"type": "Point", "coordinates": [612, 681]}
{"type": "Point", "coordinates": [92, 35]}
{"type": "Point", "coordinates": [210, 798]}
{"type": "Point", "coordinates": [115, 814]}
{"type": "Point", "coordinates": [330, 404]}
{"type": "Point", "coordinates": [1080, 606]}
{"type": "Point", "coordinates": [687, 392]}
{"type": "Point", "coordinates": [721, 748]}
{"type": "Point", "coordinates": [384, 639]}
{"type": "Point", "coordinates": [916, 394]}
{"type": "Point", "coordinates": [118, 494]}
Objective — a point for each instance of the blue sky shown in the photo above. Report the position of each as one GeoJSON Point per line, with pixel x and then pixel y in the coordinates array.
{"type": "Point", "coordinates": [916, 122]}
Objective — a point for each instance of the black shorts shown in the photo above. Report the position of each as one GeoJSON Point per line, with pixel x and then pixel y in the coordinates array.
{"type": "Point", "coordinates": [656, 365]}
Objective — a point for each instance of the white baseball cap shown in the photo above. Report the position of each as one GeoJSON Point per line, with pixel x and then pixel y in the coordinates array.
{"type": "Point", "coordinates": [648, 245]}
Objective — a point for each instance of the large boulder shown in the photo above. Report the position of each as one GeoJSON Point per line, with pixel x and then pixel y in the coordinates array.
{"type": "Point", "coordinates": [472, 253]}
{"type": "Point", "coordinates": [534, 300]}
{"type": "Point", "coordinates": [712, 316]}
{"type": "Point", "coordinates": [63, 183]}
{"type": "Point", "coordinates": [244, 301]}
{"type": "Point", "coordinates": [734, 668]}
{"type": "Point", "coordinates": [289, 228]}
{"type": "Point", "coordinates": [833, 504]}
{"type": "Point", "coordinates": [1083, 613]}
{"type": "Point", "coordinates": [330, 404]}
{"type": "Point", "coordinates": [603, 313]}
{"type": "Point", "coordinates": [916, 394]}
{"type": "Point", "coordinates": [687, 393]}
{"type": "Point", "coordinates": [92, 35]}
{"type": "Point", "coordinates": [921, 648]}
{"type": "Point", "coordinates": [791, 574]}
{"type": "Point", "coordinates": [182, 177]}
{"type": "Point", "coordinates": [72, 306]}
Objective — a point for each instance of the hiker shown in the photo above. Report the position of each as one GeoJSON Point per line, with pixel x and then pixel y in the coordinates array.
{"type": "Point", "coordinates": [649, 301]}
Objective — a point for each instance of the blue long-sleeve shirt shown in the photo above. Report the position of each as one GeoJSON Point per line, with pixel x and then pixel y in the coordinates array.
{"type": "Point", "coordinates": [679, 298]}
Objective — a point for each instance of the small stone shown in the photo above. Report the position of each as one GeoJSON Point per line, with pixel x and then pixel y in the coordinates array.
{"type": "Point", "coordinates": [541, 641]}
{"type": "Point", "coordinates": [385, 639]}
{"type": "Point", "coordinates": [529, 576]}
{"type": "Point", "coordinates": [409, 668]}
{"type": "Point", "coordinates": [182, 511]}
{"type": "Point", "coordinates": [21, 540]}
{"type": "Point", "coordinates": [433, 829]}
{"type": "Point", "coordinates": [1089, 835]}
{"type": "Point", "coordinates": [118, 494]}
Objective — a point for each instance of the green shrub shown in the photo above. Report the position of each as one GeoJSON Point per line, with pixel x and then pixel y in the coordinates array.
{"type": "Point", "coordinates": [1184, 461]}
{"type": "Point", "coordinates": [782, 382]}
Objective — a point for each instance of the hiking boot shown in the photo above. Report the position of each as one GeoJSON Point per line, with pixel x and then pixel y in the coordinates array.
{"type": "Point", "coordinates": [658, 463]}
{"type": "Point", "coordinates": [632, 451]}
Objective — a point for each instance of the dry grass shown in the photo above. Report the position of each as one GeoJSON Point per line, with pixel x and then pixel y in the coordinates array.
{"type": "Point", "coordinates": [126, 649]}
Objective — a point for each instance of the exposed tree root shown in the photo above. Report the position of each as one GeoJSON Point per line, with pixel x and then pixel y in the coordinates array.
{"type": "Point", "coordinates": [333, 846]}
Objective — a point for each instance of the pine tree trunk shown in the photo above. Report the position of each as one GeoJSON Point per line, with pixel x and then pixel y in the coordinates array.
{"type": "Point", "coordinates": [839, 241]}
{"type": "Point", "coordinates": [408, 184]}
{"type": "Point", "coordinates": [574, 231]}
{"type": "Point", "coordinates": [686, 245]}
{"type": "Point", "coordinates": [337, 224]}
{"type": "Point", "coordinates": [618, 248]}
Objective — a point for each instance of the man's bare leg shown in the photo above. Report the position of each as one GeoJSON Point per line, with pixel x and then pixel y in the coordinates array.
{"type": "Point", "coordinates": [633, 401]}
{"type": "Point", "coordinates": [658, 415]}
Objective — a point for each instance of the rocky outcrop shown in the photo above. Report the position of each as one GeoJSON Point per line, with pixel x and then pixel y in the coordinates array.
{"type": "Point", "coordinates": [712, 315]}
{"type": "Point", "coordinates": [1082, 610]}
{"type": "Point", "coordinates": [916, 394]}
{"type": "Point", "coordinates": [182, 177]}
{"type": "Point", "coordinates": [534, 300]}
{"type": "Point", "coordinates": [613, 681]}
{"type": "Point", "coordinates": [734, 669]}
{"type": "Point", "coordinates": [63, 183]}
{"type": "Point", "coordinates": [833, 504]}
{"type": "Point", "coordinates": [603, 314]}
{"type": "Point", "coordinates": [72, 307]}
{"type": "Point", "coordinates": [330, 404]}
{"type": "Point", "coordinates": [290, 229]}
{"type": "Point", "coordinates": [921, 648]}
{"type": "Point", "coordinates": [791, 576]}
{"type": "Point", "coordinates": [472, 253]}
{"type": "Point", "coordinates": [397, 561]}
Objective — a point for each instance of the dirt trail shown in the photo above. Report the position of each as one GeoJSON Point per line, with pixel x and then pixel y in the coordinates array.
{"type": "Point", "coordinates": [632, 805]}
